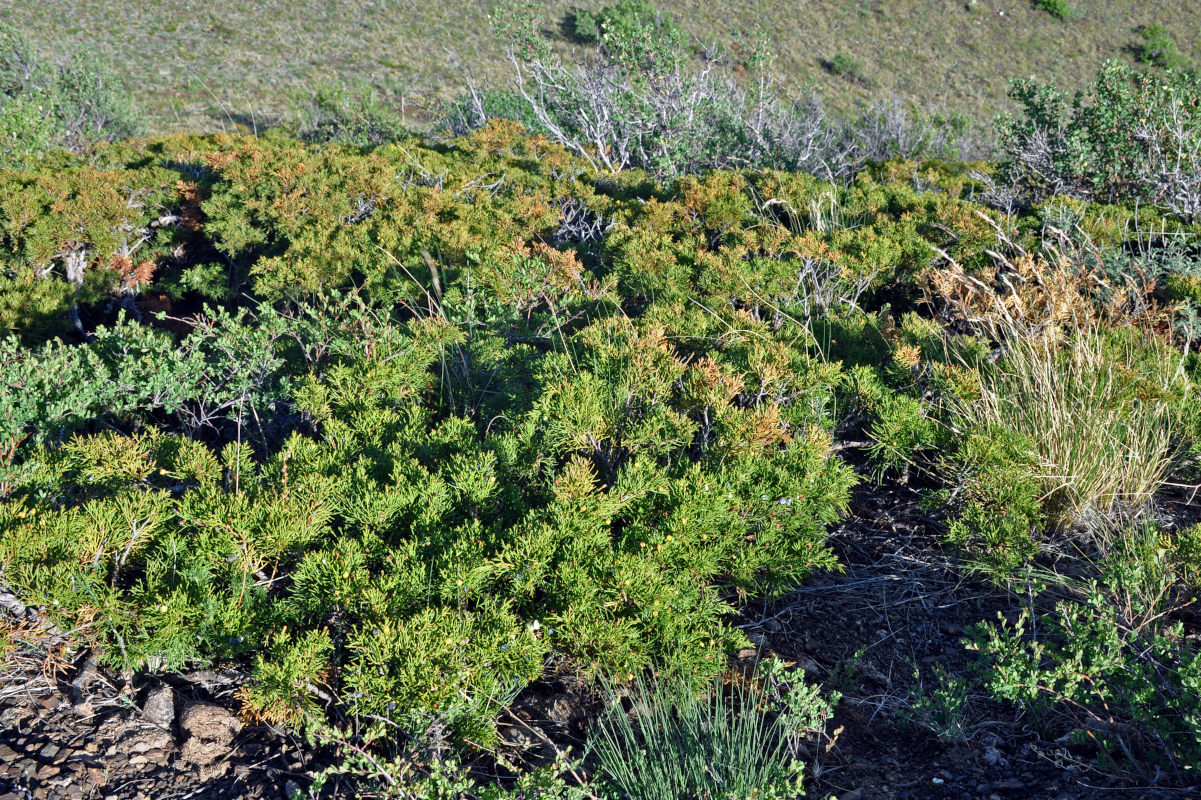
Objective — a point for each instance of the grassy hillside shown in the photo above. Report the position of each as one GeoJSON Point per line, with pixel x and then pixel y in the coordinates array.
{"type": "Point", "coordinates": [200, 66]}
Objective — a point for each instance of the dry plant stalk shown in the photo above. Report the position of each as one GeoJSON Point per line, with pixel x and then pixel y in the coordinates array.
{"type": "Point", "coordinates": [1033, 293]}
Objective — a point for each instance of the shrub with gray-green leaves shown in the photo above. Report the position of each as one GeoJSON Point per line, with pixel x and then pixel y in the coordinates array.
{"type": "Point", "coordinates": [1129, 137]}
{"type": "Point", "coordinates": [72, 103]}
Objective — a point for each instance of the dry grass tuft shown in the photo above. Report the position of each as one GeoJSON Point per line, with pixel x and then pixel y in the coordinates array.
{"type": "Point", "coordinates": [1098, 414]}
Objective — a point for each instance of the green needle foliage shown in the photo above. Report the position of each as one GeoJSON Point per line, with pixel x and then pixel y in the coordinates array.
{"type": "Point", "coordinates": [397, 427]}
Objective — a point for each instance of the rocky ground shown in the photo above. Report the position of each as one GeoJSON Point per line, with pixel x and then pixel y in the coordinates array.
{"type": "Point", "coordinates": [878, 632]}
{"type": "Point", "coordinates": [163, 742]}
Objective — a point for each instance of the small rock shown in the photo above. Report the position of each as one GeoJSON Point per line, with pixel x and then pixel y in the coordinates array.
{"type": "Point", "coordinates": [49, 751]}
{"type": "Point", "coordinates": [47, 771]}
{"type": "Point", "coordinates": [159, 706]}
{"type": "Point", "coordinates": [137, 760]}
{"type": "Point", "coordinates": [1009, 783]}
{"type": "Point", "coordinates": [210, 730]}
{"type": "Point", "coordinates": [7, 754]}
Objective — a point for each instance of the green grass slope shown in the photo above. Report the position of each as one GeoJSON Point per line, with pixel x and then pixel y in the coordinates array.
{"type": "Point", "coordinates": [200, 66]}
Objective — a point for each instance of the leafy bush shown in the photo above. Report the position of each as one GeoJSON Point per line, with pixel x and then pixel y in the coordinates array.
{"type": "Point", "coordinates": [74, 103]}
{"type": "Point", "coordinates": [845, 65]}
{"type": "Point", "coordinates": [943, 709]}
{"type": "Point", "coordinates": [637, 35]}
{"type": "Point", "coordinates": [1158, 49]}
{"type": "Point", "coordinates": [1122, 678]}
{"type": "Point", "coordinates": [1060, 9]}
{"type": "Point", "coordinates": [333, 113]}
{"type": "Point", "coordinates": [1130, 136]}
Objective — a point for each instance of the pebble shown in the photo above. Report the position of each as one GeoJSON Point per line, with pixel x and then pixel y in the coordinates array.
{"type": "Point", "coordinates": [159, 706]}
{"type": "Point", "coordinates": [49, 751]}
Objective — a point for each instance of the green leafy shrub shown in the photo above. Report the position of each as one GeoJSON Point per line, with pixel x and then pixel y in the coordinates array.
{"type": "Point", "coordinates": [1130, 136]}
{"type": "Point", "coordinates": [1124, 679]}
{"type": "Point", "coordinates": [845, 65]}
{"type": "Point", "coordinates": [74, 103]}
{"type": "Point", "coordinates": [1060, 9]}
{"type": "Point", "coordinates": [333, 113]}
{"type": "Point", "coordinates": [1158, 48]}
{"type": "Point", "coordinates": [941, 710]}
{"type": "Point", "coordinates": [639, 36]}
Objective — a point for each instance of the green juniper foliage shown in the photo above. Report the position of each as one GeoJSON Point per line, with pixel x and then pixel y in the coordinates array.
{"type": "Point", "coordinates": [399, 426]}
{"type": "Point", "coordinates": [416, 490]}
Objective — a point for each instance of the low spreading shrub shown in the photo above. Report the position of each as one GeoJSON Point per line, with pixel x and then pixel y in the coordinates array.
{"type": "Point", "coordinates": [410, 493]}
{"type": "Point", "coordinates": [398, 426]}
